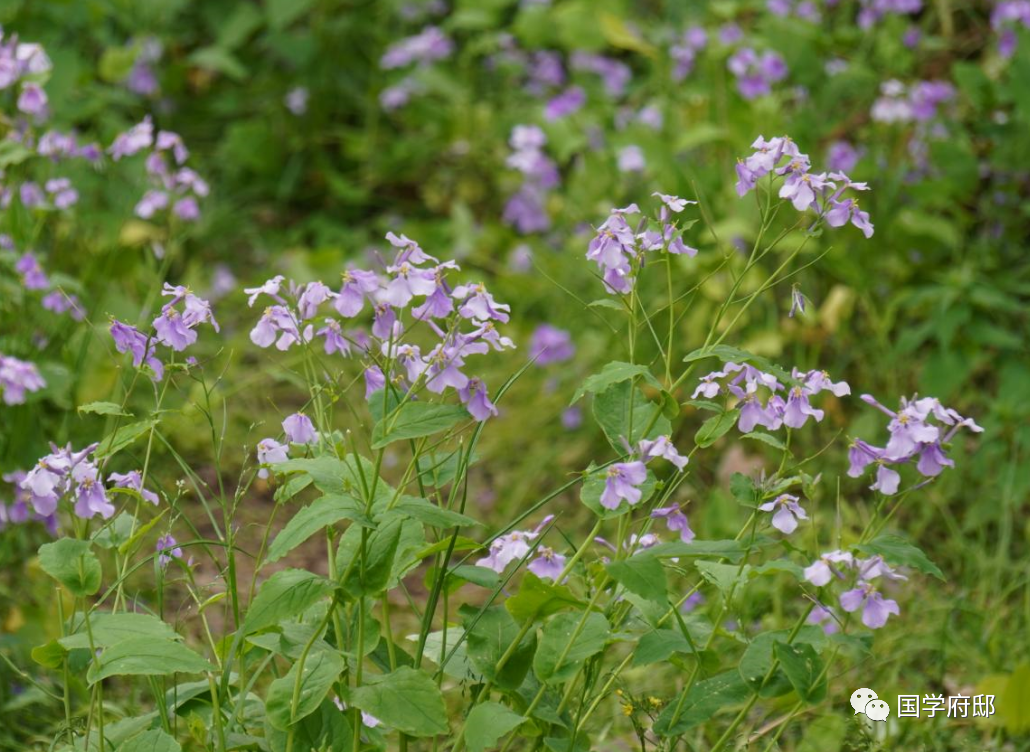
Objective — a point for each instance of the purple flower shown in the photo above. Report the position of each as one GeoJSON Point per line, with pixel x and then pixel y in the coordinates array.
{"type": "Point", "coordinates": [90, 494]}
{"type": "Point", "coordinates": [474, 396]}
{"type": "Point", "coordinates": [134, 480]}
{"type": "Point", "coordinates": [356, 285]}
{"type": "Point", "coordinates": [860, 456]}
{"type": "Point", "coordinates": [797, 301]}
{"type": "Point", "coordinates": [842, 156]}
{"type": "Point", "coordinates": [824, 616]}
{"type": "Point", "coordinates": [32, 100]}
{"type": "Point", "coordinates": [508, 548]}
{"type": "Point", "coordinates": [151, 203]}
{"type": "Point", "coordinates": [525, 210]}
{"type": "Point", "coordinates": [549, 344]}
{"type": "Point", "coordinates": [315, 293]}
{"type": "Point", "coordinates": [823, 569]}
{"type": "Point", "coordinates": [887, 481]}
{"type": "Point", "coordinates": [61, 191]}
{"type": "Point", "coordinates": [408, 282]}
{"type": "Point", "coordinates": [270, 288]}
{"type": "Point", "coordinates": [296, 100]}
{"type": "Point", "coordinates": [171, 330]}
{"type": "Point", "coordinates": [134, 140]}
{"type": "Point", "coordinates": [649, 449]}
{"type": "Point", "coordinates": [676, 521]}
{"type": "Point", "coordinates": [565, 104]}
{"type": "Point", "coordinates": [841, 212]}
{"type": "Point", "coordinates": [621, 482]}
{"type": "Point", "coordinates": [786, 513]}
{"type": "Point", "coordinates": [167, 549]}
{"type": "Point", "coordinates": [32, 275]}
{"type": "Point", "coordinates": [299, 429]}
{"type": "Point", "coordinates": [631, 159]}
{"type": "Point", "coordinates": [334, 340]}
{"type": "Point", "coordinates": [571, 418]}
{"type": "Point", "coordinates": [374, 380]}
{"type": "Point", "coordinates": [547, 565]}
{"type": "Point", "coordinates": [16, 378]}
{"type": "Point", "coordinates": [478, 304]}
{"type": "Point", "coordinates": [429, 45]}
{"type": "Point", "coordinates": [875, 608]}
{"type": "Point", "coordinates": [131, 340]}
{"type": "Point", "coordinates": [693, 601]}
{"type": "Point", "coordinates": [187, 209]}
{"type": "Point", "coordinates": [269, 452]}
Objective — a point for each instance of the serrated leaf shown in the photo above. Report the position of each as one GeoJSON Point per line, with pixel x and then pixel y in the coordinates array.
{"type": "Point", "coordinates": [424, 511]}
{"type": "Point", "coordinates": [623, 412]}
{"type": "Point", "coordinates": [154, 740]}
{"type": "Point", "coordinates": [706, 698]}
{"type": "Point", "coordinates": [487, 723]}
{"type": "Point", "coordinates": [766, 438]}
{"type": "Point", "coordinates": [407, 700]}
{"type": "Point", "coordinates": [896, 550]}
{"type": "Point", "coordinates": [726, 577]}
{"type": "Point", "coordinates": [804, 670]}
{"type": "Point", "coordinates": [416, 419]}
{"type": "Point", "coordinates": [489, 638]}
{"type": "Point", "coordinates": [537, 599]}
{"type": "Point", "coordinates": [613, 373]}
{"type": "Point", "coordinates": [659, 645]}
{"type": "Point", "coordinates": [103, 408]}
{"type": "Point", "coordinates": [643, 575]}
{"type": "Point", "coordinates": [285, 595]}
{"type": "Point", "coordinates": [145, 656]}
{"type": "Point", "coordinates": [73, 564]}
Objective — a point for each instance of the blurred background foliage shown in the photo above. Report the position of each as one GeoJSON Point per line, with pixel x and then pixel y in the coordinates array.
{"type": "Point", "coordinates": [935, 303]}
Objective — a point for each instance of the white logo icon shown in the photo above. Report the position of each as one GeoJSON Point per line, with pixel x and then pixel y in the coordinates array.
{"type": "Point", "coordinates": [866, 701]}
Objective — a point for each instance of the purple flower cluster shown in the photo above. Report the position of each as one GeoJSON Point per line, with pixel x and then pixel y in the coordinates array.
{"type": "Point", "coordinates": [415, 277]}
{"type": "Point", "coordinates": [803, 188]}
{"type": "Point", "coordinates": [565, 103]}
{"type": "Point", "coordinates": [913, 436]}
{"type": "Point", "coordinates": [618, 250]}
{"type": "Point", "coordinates": [16, 378]}
{"type": "Point", "coordinates": [175, 186]}
{"type": "Point", "coordinates": [786, 512]}
{"type": "Point", "coordinates": [1004, 19]}
{"type": "Point", "coordinates": [744, 382]}
{"type": "Point", "coordinates": [841, 565]}
{"type": "Point", "coordinates": [684, 52]}
{"type": "Point", "coordinates": [33, 278]}
{"type": "Point", "coordinates": [525, 210]}
{"type": "Point", "coordinates": [173, 328]}
{"type": "Point", "coordinates": [141, 78]}
{"type": "Point", "coordinates": [806, 10]}
{"type": "Point", "coordinates": [622, 480]}
{"type": "Point", "coordinates": [873, 10]}
{"type": "Point", "coordinates": [20, 511]}
{"type": "Point", "coordinates": [756, 73]}
{"type": "Point", "coordinates": [516, 545]}
{"type": "Point", "coordinates": [422, 49]}
{"type": "Point", "coordinates": [615, 74]}
{"type": "Point", "coordinates": [918, 103]}
{"type": "Point", "coordinates": [23, 63]}
{"type": "Point", "coordinates": [167, 549]}
{"type": "Point", "coordinates": [67, 473]}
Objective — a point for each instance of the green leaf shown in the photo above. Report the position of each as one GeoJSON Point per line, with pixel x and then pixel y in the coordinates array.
{"type": "Point", "coordinates": [490, 638]}
{"type": "Point", "coordinates": [116, 63]}
{"type": "Point", "coordinates": [658, 645]}
{"type": "Point", "coordinates": [145, 656]}
{"type": "Point", "coordinates": [110, 629]}
{"type": "Point", "coordinates": [804, 669]}
{"type": "Point", "coordinates": [726, 577]}
{"type": "Point", "coordinates": [743, 490]}
{"type": "Point", "coordinates": [281, 13]}
{"type": "Point", "coordinates": [321, 669]}
{"type": "Point", "coordinates": [438, 650]}
{"type": "Point", "coordinates": [284, 596]}
{"type": "Point", "coordinates": [72, 563]}
{"type": "Point", "coordinates": [715, 428]}
{"type": "Point", "coordinates": [720, 549]}
{"type": "Point", "coordinates": [321, 513]}
{"type": "Point", "coordinates": [13, 153]}
{"type": "Point", "coordinates": [564, 645]}
{"type": "Point", "coordinates": [154, 740]}
{"type": "Point", "coordinates": [538, 599]}
{"type": "Point", "coordinates": [612, 412]}
{"type": "Point", "coordinates": [327, 730]}
{"type": "Point", "coordinates": [414, 419]}
{"type": "Point", "coordinates": [380, 553]}
{"type": "Point", "coordinates": [643, 575]}
{"type": "Point", "coordinates": [766, 438]}
{"type": "Point", "coordinates": [481, 576]}
{"type": "Point", "coordinates": [607, 303]}
{"type": "Point", "coordinates": [487, 723]}
{"type": "Point", "coordinates": [896, 550]}
{"type": "Point", "coordinates": [407, 700]}
{"type": "Point", "coordinates": [123, 437]}
{"type": "Point", "coordinates": [332, 475]}
{"type": "Point", "coordinates": [103, 408]}
{"type": "Point", "coordinates": [429, 513]}
{"type": "Point", "coordinates": [50, 655]}
{"type": "Point", "coordinates": [218, 60]}
{"type": "Point", "coordinates": [613, 373]}
{"type": "Point", "coordinates": [706, 698]}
